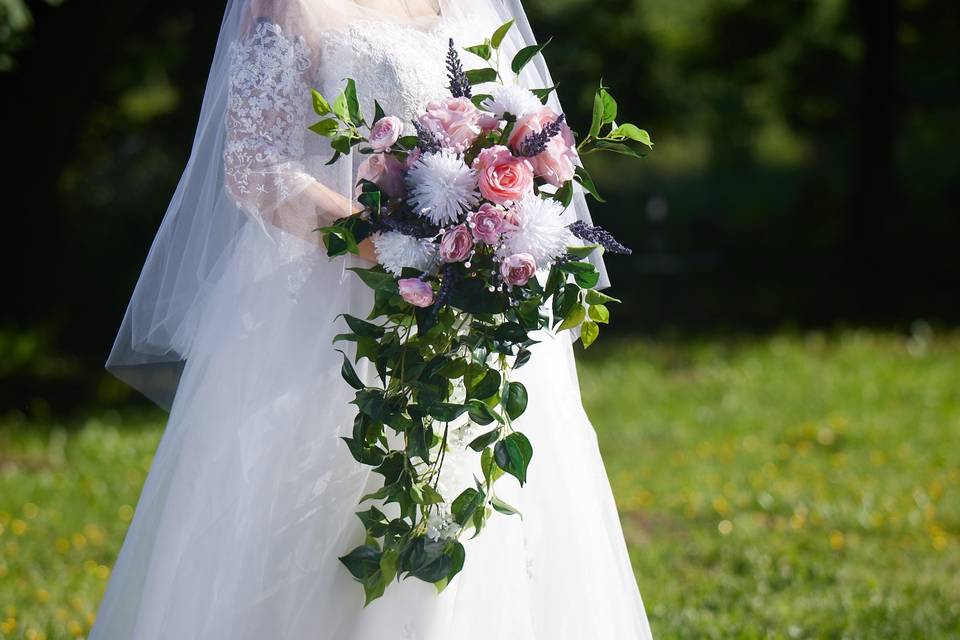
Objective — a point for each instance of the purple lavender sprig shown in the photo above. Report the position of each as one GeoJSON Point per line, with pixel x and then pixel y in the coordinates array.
{"type": "Point", "coordinates": [459, 84]}
{"type": "Point", "coordinates": [448, 280]}
{"type": "Point", "coordinates": [406, 222]}
{"type": "Point", "coordinates": [598, 235]}
{"type": "Point", "coordinates": [427, 142]}
{"type": "Point", "coordinates": [536, 143]}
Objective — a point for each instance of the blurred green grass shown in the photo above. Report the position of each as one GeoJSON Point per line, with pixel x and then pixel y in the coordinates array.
{"type": "Point", "coordinates": [795, 486]}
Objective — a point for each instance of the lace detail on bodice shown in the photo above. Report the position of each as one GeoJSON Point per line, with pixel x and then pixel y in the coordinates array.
{"type": "Point", "coordinates": [266, 114]}
{"type": "Point", "coordinates": [401, 66]}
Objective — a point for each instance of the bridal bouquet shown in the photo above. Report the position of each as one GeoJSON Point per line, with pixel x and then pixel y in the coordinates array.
{"type": "Point", "coordinates": [466, 219]}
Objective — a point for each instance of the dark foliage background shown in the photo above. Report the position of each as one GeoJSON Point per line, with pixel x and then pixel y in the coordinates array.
{"type": "Point", "coordinates": [804, 174]}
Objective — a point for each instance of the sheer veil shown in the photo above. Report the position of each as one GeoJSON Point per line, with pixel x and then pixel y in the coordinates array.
{"type": "Point", "coordinates": [254, 166]}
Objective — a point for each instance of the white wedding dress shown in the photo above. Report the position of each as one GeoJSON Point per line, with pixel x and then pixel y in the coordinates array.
{"type": "Point", "coordinates": [251, 496]}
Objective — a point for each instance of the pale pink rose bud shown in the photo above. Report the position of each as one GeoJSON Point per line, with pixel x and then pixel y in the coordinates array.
{"type": "Point", "coordinates": [518, 268]}
{"type": "Point", "coordinates": [557, 163]}
{"type": "Point", "coordinates": [456, 244]}
{"type": "Point", "coordinates": [385, 132]}
{"type": "Point", "coordinates": [385, 171]}
{"type": "Point", "coordinates": [416, 292]}
{"type": "Point", "coordinates": [502, 177]}
{"type": "Point", "coordinates": [488, 223]}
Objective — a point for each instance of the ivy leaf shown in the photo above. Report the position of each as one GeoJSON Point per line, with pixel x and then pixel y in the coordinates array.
{"type": "Point", "coordinates": [584, 178]}
{"type": "Point", "coordinates": [497, 38]}
{"type": "Point", "coordinates": [513, 455]}
{"type": "Point", "coordinates": [503, 507]}
{"type": "Point", "coordinates": [480, 76]}
{"type": "Point", "coordinates": [377, 279]}
{"type": "Point", "coordinates": [523, 357]}
{"type": "Point", "coordinates": [515, 399]}
{"type": "Point", "coordinates": [598, 297]}
{"type": "Point", "coordinates": [446, 412]}
{"type": "Point", "coordinates": [599, 314]}
{"type": "Point", "coordinates": [589, 331]}
{"type": "Point", "coordinates": [573, 318]}
{"type": "Point", "coordinates": [362, 327]}
{"type": "Point", "coordinates": [320, 105]}
{"type": "Point", "coordinates": [484, 387]}
{"type": "Point", "coordinates": [480, 50]}
{"type": "Point", "coordinates": [482, 442]}
{"type": "Point", "coordinates": [325, 128]}
{"type": "Point", "coordinates": [353, 103]}
{"type": "Point", "coordinates": [481, 413]}
{"type": "Point", "coordinates": [349, 373]}
{"type": "Point", "coordinates": [525, 55]}
{"type": "Point", "coordinates": [466, 504]}
{"type": "Point", "coordinates": [488, 464]}
{"type": "Point", "coordinates": [362, 562]}
{"type": "Point", "coordinates": [631, 132]}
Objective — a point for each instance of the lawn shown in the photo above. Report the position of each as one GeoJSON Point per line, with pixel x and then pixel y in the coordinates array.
{"type": "Point", "coordinates": [796, 486]}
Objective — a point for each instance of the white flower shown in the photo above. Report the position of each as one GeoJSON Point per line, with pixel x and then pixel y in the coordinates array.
{"type": "Point", "coordinates": [441, 525]}
{"type": "Point", "coordinates": [396, 251]}
{"type": "Point", "coordinates": [442, 187]}
{"type": "Point", "coordinates": [511, 99]}
{"type": "Point", "coordinates": [538, 229]}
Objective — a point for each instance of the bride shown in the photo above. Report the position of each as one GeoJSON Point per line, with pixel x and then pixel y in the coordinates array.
{"type": "Point", "coordinates": [251, 496]}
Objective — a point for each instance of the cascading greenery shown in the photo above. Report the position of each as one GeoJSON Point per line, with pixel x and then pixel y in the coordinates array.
{"type": "Point", "coordinates": [453, 361]}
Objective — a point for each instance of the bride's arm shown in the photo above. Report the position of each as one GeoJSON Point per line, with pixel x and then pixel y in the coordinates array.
{"type": "Point", "coordinates": [266, 169]}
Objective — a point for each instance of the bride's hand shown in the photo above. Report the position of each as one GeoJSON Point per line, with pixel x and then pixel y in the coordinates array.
{"type": "Point", "coordinates": [367, 252]}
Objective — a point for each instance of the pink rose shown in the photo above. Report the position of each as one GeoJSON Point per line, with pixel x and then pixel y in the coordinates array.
{"type": "Point", "coordinates": [384, 170]}
{"type": "Point", "coordinates": [416, 292]}
{"type": "Point", "coordinates": [455, 122]}
{"type": "Point", "coordinates": [385, 132]}
{"type": "Point", "coordinates": [518, 268]}
{"type": "Point", "coordinates": [502, 176]}
{"type": "Point", "coordinates": [488, 223]}
{"type": "Point", "coordinates": [557, 163]}
{"type": "Point", "coordinates": [456, 244]}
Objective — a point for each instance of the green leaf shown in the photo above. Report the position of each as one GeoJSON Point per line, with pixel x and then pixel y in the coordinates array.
{"type": "Point", "coordinates": [544, 93]}
{"type": "Point", "coordinates": [408, 142]}
{"type": "Point", "coordinates": [573, 318]}
{"type": "Point", "coordinates": [598, 297]}
{"type": "Point", "coordinates": [353, 103]}
{"type": "Point", "coordinates": [584, 178]}
{"type": "Point", "coordinates": [525, 55]}
{"type": "Point", "coordinates": [589, 331]}
{"type": "Point", "coordinates": [349, 373]}
{"type": "Point", "coordinates": [585, 273]}
{"type": "Point", "coordinates": [362, 327]}
{"type": "Point", "coordinates": [362, 562]}
{"type": "Point", "coordinates": [503, 507]}
{"type": "Point", "coordinates": [609, 106]}
{"type": "Point", "coordinates": [497, 38]}
{"type": "Point", "coordinates": [446, 412]}
{"type": "Point", "coordinates": [326, 127]}
{"type": "Point", "coordinates": [596, 122]}
{"type": "Point", "coordinates": [377, 279]}
{"type": "Point", "coordinates": [484, 387]}
{"type": "Point", "coordinates": [472, 296]}
{"type": "Point", "coordinates": [582, 252]}
{"type": "Point", "coordinates": [513, 455]}
{"type": "Point", "coordinates": [480, 76]}
{"type": "Point", "coordinates": [480, 50]}
{"type": "Point", "coordinates": [466, 504]}
{"type": "Point", "coordinates": [615, 147]}
{"type": "Point", "coordinates": [458, 556]}
{"type": "Point", "coordinates": [631, 132]}
{"type": "Point", "coordinates": [523, 357]}
{"type": "Point", "coordinates": [479, 98]}
{"type": "Point", "coordinates": [378, 112]}
{"type": "Point", "coordinates": [431, 495]}
{"type": "Point", "coordinates": [481, 413]}
{"type": "Point", "coordinates": [388, 565]}
{"type": "Point", "coordinates": [341, 108]}
{"type": "Point", "coordinates": [482, 442]}
{"type": "Point", "coordinates": [491, 472]}
{"type": "Point", "coordinates": [564, 194]}
{"type": "Point", "coordinates": [320, 105]}
{"type": "Point", "coordinates": [341, 144]}
{"type": "Point", "coordinates": [515, 399]}
{"type": "Point", "coordinates": [599, 313]}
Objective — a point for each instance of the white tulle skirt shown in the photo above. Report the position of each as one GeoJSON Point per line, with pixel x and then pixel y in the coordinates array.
{"type": "Point", "coordinates": [251, 496]}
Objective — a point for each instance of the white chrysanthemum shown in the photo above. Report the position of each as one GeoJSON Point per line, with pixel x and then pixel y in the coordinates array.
{"type": "Point", "coordinates": [442, 187]}
{"type": "Point", "coordinates": [539, 230]}
{"type": "Point", "coordinates": [511, 99]}
{"type": "Point", "coordinates": [396, 251]}
{"type": "Point", "coordinates": [441, 526]}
